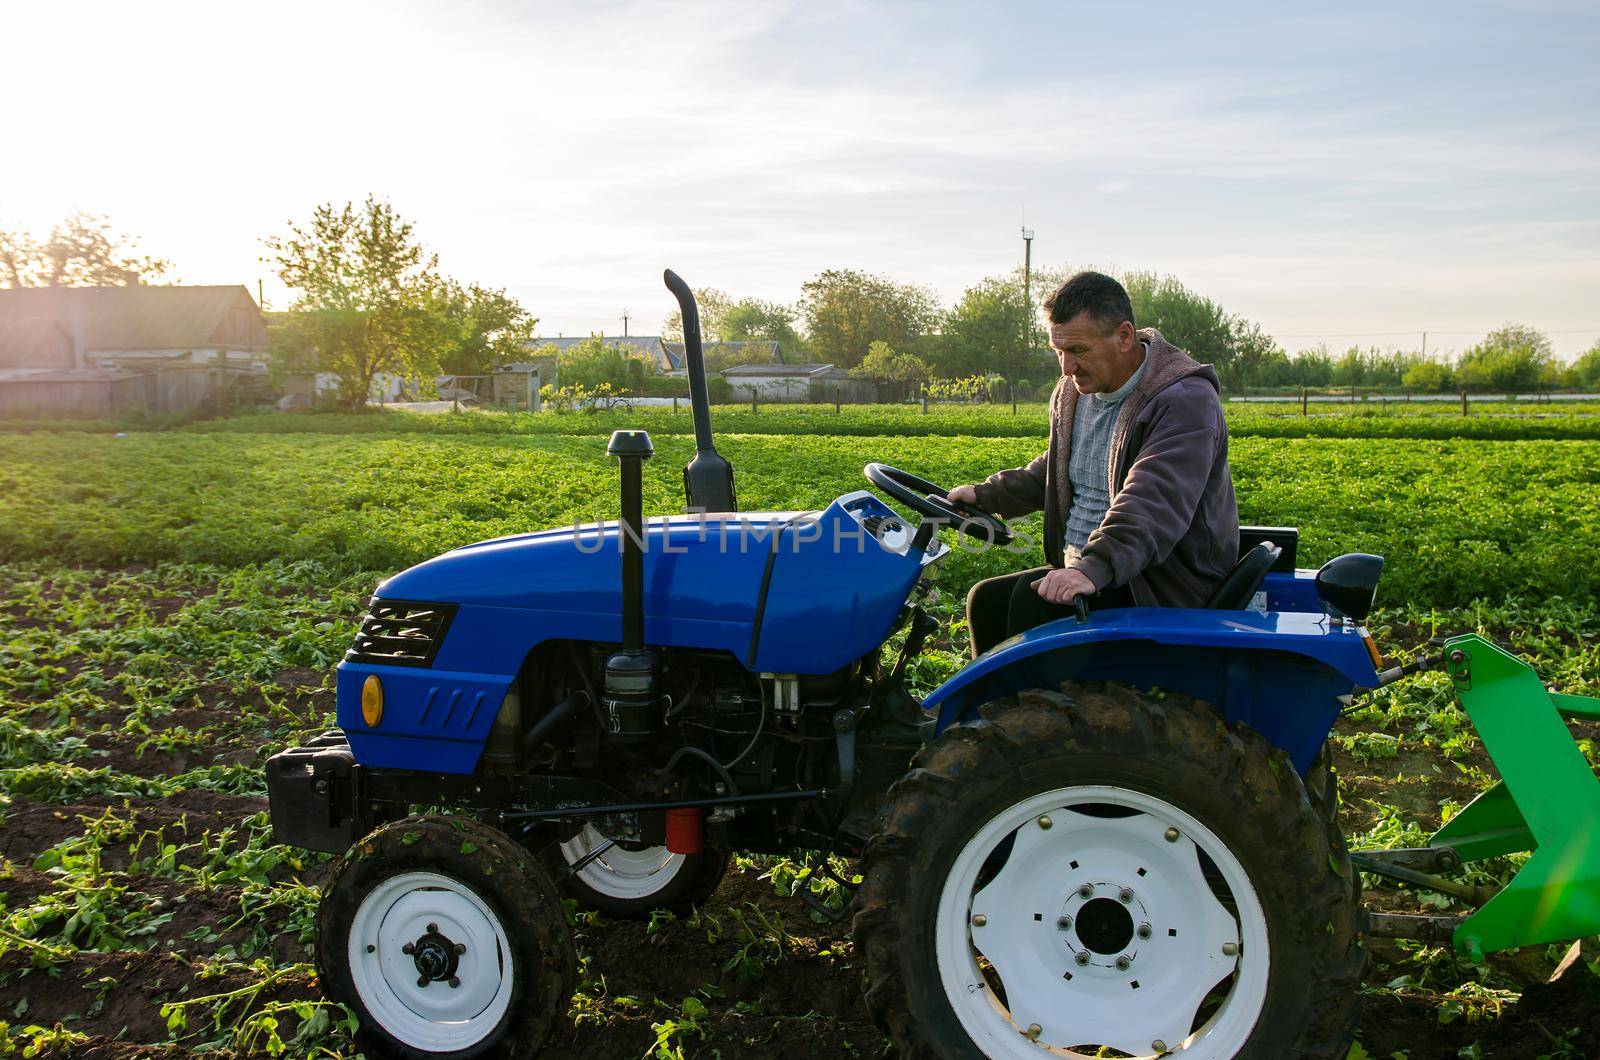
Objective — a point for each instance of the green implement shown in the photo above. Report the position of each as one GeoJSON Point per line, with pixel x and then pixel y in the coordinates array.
{"type": "Point", "coordinates": [1547, 802]}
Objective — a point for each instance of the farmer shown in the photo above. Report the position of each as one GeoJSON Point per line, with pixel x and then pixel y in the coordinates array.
{"type": "Point", "coordinates": [1137, 497]}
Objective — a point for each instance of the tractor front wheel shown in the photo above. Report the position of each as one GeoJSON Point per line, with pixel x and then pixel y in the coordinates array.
{"type": "Point", "coordinates": [447, 940]}
{"type": "Point", "coordinates": [1101, 869]}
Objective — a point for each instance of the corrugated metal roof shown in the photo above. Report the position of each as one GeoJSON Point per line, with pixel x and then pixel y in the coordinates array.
{"type": "Point", "coordinates": [38, 341]}
{"type": "Point", "coordinates": [776, 369]}
{"type": "Point", "coordinates": [146, 318]}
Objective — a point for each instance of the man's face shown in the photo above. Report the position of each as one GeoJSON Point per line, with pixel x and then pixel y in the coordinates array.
{"type": "Point", "coordinates": [1097, 362]}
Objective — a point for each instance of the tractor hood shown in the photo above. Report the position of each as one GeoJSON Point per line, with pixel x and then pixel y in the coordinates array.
{"type": "Point", "coordinates": [785, 592]}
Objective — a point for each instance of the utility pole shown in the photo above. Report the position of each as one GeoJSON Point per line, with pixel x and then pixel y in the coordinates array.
{"type": "Point", "coordinates": [1027, 299]}
{"type": "Point", "coordinates": [624, 323]}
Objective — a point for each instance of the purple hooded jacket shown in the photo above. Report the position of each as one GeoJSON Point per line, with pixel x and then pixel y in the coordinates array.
{"type": "Point", "coordinates": [1171, 532]}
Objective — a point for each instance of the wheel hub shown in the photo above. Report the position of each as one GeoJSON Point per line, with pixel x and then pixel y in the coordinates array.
{"type": "Point", "coordinates": [435, 956]}
{"type": "Point", "coordinates": [1104, 926]}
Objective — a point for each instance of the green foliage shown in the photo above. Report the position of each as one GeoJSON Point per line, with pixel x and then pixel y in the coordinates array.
{"type": "Point", "coordinates": [1513, 357]}
{"type": "Point", "coordinates": [1585, 371]}
{"type": "Point", "coordinates": [369, 299]}
{"type": "Point", "coordinates": [594, 361]}
{"type": "Point", "coordinates": [1430, 376]}
{"type": "Point", "coordinates": [845, 311]}
{"type": "Point", "coordinates": [1454, 521]}
{"type": "Point", "coordinates": [986, 330]}
{"type": "Point", "coordinates": [493, 329]}
{"type": "Point", "coordinates": [883, 362]}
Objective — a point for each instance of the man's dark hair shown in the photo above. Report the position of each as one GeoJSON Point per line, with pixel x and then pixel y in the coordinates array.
{"type": "Point", "coordinates": [1095, 293]}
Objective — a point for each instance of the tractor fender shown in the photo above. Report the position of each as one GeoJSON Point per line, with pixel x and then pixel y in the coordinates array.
{"type": "Point", "coordinates": [1281, 673]}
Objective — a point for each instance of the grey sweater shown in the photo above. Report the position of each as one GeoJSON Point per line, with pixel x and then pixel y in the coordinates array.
{"type": "Point", "coordinates": [1171, 532]}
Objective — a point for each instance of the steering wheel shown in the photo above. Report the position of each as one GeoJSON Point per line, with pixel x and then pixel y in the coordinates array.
{"type": "Point", "coordinates": [931, 501]}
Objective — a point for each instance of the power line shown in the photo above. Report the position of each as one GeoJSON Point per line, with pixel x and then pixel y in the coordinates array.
{"type": "Point", "coordinates": [1419, 331]}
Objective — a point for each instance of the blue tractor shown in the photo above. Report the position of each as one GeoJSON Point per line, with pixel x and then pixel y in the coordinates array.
{"type": "Point", "coordinates": [1112, 832]}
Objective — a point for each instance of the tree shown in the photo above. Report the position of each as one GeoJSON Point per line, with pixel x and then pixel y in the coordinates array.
{"type": "Point", "coordinates": [1585, 371]}
{"type": "Point", "coordinates": [81, 251]}
{"type": "Point", "coordinates": [1313, 367]}
{"type": "Point", "coordinates": [494, 329]}
{"type": "Point", "coordinates": [1427, 376]}
{"type": "Point", "coordinates": [986, 331]}
{"type": "Point", "coordinates": [884, 363]}
{"type": "Point", "coordinates": [1186, 319]}
{"type": "Point", "coordinates": [1512, 357]}
{"type": "Point", "coordinates": [368, 299]}
{"type": "Point", "coordinates": [752, 320]}
{"type": "Point", "coordinates": [712, 306]}
{"type": "Point", "coordinates": [595, 362]}
{"type": "Point", "coordinates": [845, 310]}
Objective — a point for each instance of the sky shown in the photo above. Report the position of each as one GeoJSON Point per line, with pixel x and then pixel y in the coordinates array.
{"type": "Point", "coordinates": [1358, 174]}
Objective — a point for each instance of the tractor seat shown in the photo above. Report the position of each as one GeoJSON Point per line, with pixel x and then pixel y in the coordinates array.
{"type": "Point", "coordinates": [1242, 582]}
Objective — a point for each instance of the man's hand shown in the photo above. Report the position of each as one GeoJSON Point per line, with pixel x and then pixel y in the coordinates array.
{"type": "Point", "coordinates": [1062, 586]}
{"type": "Point", "coordinates": [963, 495]}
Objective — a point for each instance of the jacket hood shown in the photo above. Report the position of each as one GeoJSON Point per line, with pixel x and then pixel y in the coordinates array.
{"type": "Point", "coordinates": [1166, 364]}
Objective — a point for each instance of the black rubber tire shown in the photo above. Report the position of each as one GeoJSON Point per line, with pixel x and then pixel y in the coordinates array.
{"type": "Point", "coordinates": [506, 877]}
{"type": "Point", "coordinates": [687, 891]}
{"type": "Point", "coordinates": [1168, 746]}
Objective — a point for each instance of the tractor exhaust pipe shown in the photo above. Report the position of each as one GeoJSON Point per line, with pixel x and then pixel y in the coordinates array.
{"type": "Point", "coordinates": [708, 478]}
{"type": "Point", "coordinates": [630, 699]}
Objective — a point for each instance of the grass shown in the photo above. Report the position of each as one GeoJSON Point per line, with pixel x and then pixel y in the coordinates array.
{"type": "Point", "coordinates": [1457, 520]}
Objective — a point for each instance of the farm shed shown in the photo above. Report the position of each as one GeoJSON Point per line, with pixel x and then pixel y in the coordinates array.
{"type": "Point", "coordinates": [95, 351]}
{"type": "Point", "coordinates": [786, 382]}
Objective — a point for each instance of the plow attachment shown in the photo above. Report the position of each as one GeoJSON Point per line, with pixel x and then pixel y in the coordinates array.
{"type": "Point", "coordinates": [1547, 802]}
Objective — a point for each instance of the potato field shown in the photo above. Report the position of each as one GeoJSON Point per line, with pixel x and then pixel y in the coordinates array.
{"type": "Point", "coordinates": [173, 602]}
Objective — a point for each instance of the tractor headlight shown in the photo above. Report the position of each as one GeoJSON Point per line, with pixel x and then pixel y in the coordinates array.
{"type": "Point", "coordinates": [372, 701]}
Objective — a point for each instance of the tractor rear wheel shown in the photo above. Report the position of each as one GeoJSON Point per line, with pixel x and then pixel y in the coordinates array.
{"type": "Point", "coordinates": [632, 881]}
{"type": "Point", "coordinates": [447, 939]}
{"type": "Point", "coordinates": [1102, 869]}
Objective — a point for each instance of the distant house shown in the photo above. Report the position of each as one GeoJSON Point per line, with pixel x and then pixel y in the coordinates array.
{"type": "Point", "coordinates": [796, 382]}
{"type": "Point", "coordinates": [100, 351]}
{"type": "Point", "coordinates": [668, 356]}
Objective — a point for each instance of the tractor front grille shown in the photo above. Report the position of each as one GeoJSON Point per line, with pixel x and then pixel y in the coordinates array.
{"type": "Point", "coordinates": [401, 633]}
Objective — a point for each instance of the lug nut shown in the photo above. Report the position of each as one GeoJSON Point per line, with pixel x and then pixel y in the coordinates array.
{"type": "Point", "coordinates": [1063, 922]}
{"type": "Point", "coordinates": [1086, 890]}
{"type": "Point", "coordinates": [1159, 1046]}
{"type": "Point", "coordinates": [1144, 931]}
{"type": "Point", "coordinates": [1034, 1030]}
{"type": "Point", "coordinates": [409, 948]}
{"type": "Point", "coordinates": [454, 982]}
{"type": "Point", "coordinates": [433, 929]}
{"type": "Point", "coordinates": [1082, 957]}
{"type": "Point", "coordinates": [978, 920]}
{"type": "Point", "coordinates": [1045, 822]}
{"type": "Point", "coordinates": [1230, 949]}
{"type": "Point", "coordinates": [1172, 835]}
{"type": "Point", "coordinates": [1126, 894]}
{"type": "Point", "coordinates": [371, 948]}
{"type": "Point", "coordinates": [422, 980]}
{"type": "Point", "coordinates": [1123, 962]}
{"type": "Point", "coordinates": [461, 947]}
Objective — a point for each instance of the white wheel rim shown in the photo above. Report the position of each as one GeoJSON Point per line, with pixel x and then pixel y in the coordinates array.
{"type": "Point", "coordinates": [423, 908]}
{"type": "Point", "coordinates": [1055, 1005]}
{"type": "Point", "coordinates": [618, 872]}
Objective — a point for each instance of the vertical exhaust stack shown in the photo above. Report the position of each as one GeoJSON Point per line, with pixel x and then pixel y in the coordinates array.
{"type": "Point", "coordinates": [630, 699]}
{"type": "Point", "coordinates": [708, 478]}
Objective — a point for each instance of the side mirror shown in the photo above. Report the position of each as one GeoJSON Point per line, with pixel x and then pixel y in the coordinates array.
{"type": "Point", "coordinates": [1346, 584]}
